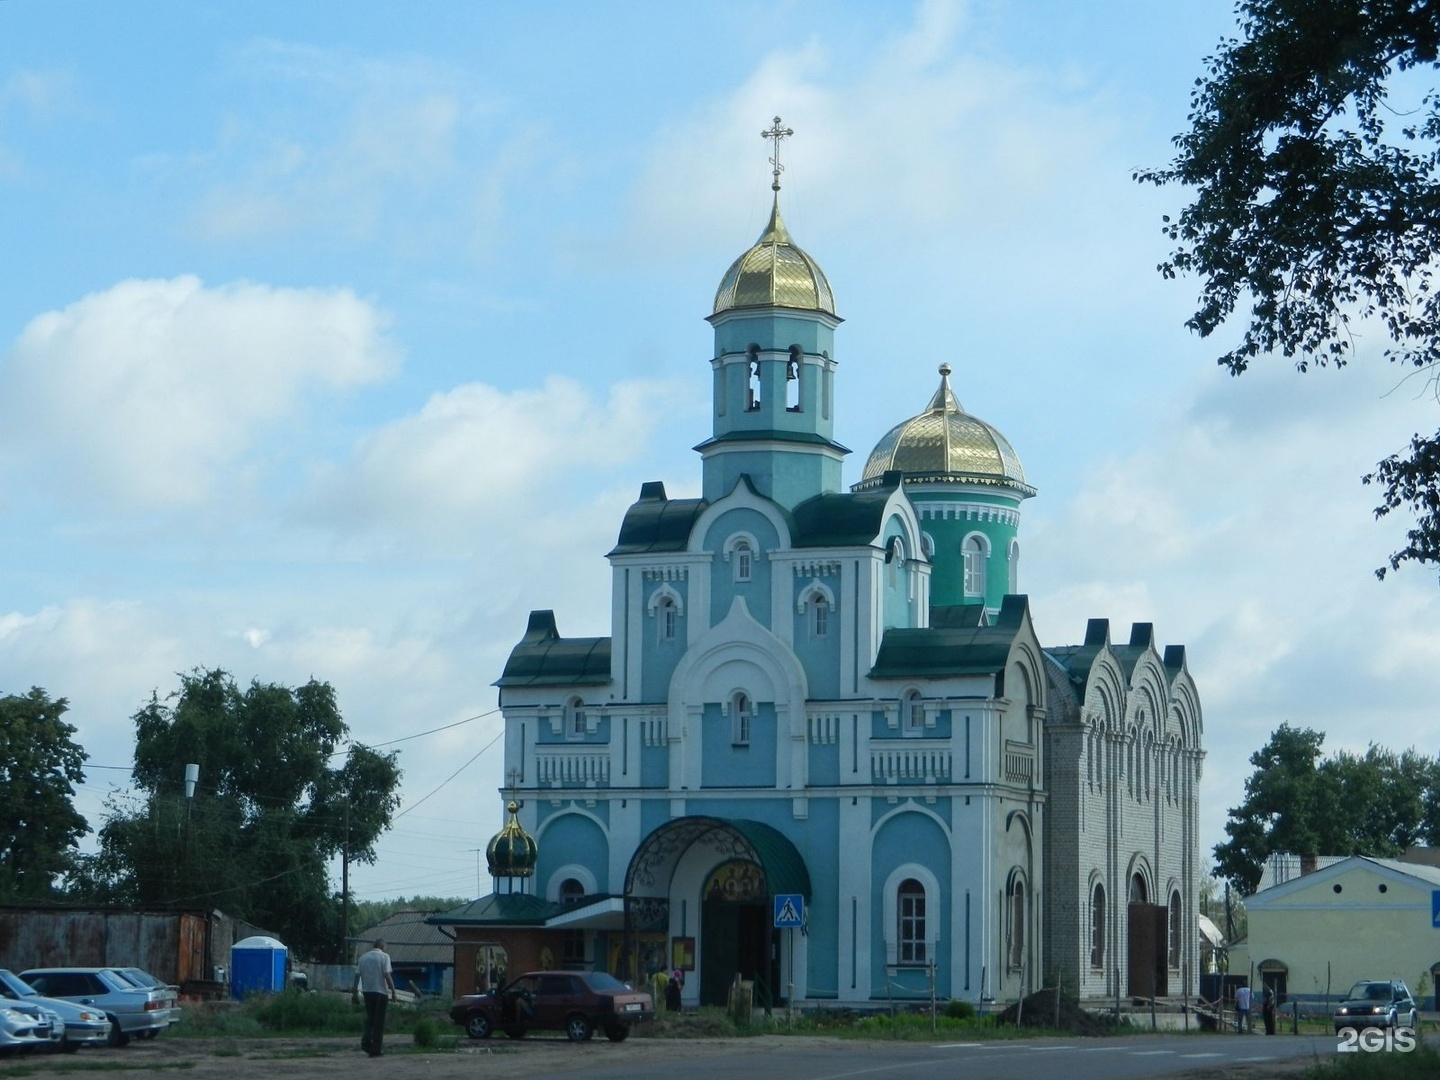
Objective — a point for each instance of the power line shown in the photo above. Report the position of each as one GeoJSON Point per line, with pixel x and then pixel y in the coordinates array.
{"type": "Point", "coordinates": [452, 776]}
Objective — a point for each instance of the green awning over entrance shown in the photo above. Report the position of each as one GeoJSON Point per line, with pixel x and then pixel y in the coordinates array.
{"type": "Point", "coordinates": [785, 870]}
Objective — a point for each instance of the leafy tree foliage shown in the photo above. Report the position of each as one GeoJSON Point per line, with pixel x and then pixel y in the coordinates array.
{"type": "Point", "coordinates": [1317, 203]}
{"type": "Point", "coordinates": [1378, 803]}
{"type": "Point", "coordinates": [367, 913]}
{"type": "Point", "coordinates": [269, 812]}
{"type": "Point", "coordinates": [39, 825]}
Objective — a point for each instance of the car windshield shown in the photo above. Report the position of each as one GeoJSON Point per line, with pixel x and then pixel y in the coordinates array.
{"type": "Point", "coordinates": [1370, 991]}
{"type": "Point", "coordinates": [14, 987]}
{"type": "Point", "coordinates": [600, 980]}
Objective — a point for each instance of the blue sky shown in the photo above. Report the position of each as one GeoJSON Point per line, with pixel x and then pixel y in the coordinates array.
{"type": "Point", "coordinates": [336, 337]}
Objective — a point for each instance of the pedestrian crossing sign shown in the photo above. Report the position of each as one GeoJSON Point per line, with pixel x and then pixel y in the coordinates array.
{"type": "Point", "coordinates": [1434, 909]}
{"type": "Point", "coordinates": [789, 911]}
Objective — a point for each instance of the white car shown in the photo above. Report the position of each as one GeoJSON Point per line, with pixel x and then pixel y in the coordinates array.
{"type": "Point", "coordinates": [79, 1025]}
{"type": "Point", "coordinates": [24, 1028]}
{"type": "Point", "coordinates": [130, 1010]}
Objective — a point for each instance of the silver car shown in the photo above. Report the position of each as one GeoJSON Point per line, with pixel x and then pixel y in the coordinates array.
{"type": "Point", "coordinates": [25, 1027]}
{"type": "Point", "coordinates": [79, 1025]}
{"type": "Point", "coordinates": [142, 978]}
{"type": "Point", "coordinates": [130, 1009]}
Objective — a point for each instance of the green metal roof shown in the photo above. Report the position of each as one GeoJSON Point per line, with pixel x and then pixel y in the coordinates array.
{"type": "Point", "coordinates": [656, 523]}
{"type": "Point", "coordinates": [511, 909]}
{"type": "Point", "coordinates": [839, 519]}
{"type": "Point", "coordinates": [774, 435]}
{"type": "Point", "coordinates": [907, 653]}
{"type": "Point", "coordinates": [544, 658]}
{"type": "Point", "coordinates": [785, 870]}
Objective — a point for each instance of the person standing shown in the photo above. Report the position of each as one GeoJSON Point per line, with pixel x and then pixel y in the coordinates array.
{"type": "Point", "coordinates": [375, 979]}
{"type": "Point", "coordinates": [1242, 1009]}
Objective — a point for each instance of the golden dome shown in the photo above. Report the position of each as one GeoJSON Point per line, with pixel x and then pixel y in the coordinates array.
{"type": "Point", "coordinates": [512, 852]}
{"type": "Point", "coordinates": [946, 444]}
{"type": "Point", "coordinates": [775, 273]}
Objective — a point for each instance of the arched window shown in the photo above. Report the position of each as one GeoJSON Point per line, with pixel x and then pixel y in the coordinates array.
{"type": "Point", "coordinates": [575, 721]}
{"type": "Point", "coordinates": [742, 555]}
{"type": "Point", "coordinates": [792, 380]}
{"type": "Point", "coordinates": [1138, 893]}
{"type": "Point", "coordinates": [572, 942]}
{"type": "Point", "coordinates": [894, 558]}
{"type": "Point", "coordinates": [914, 709]}
{"type": "Point", "coordinates": [666, 618]}
{"type": "Point", "coordinates": [1097, 927]}
{"type": "Point", "coordinates": [1015, 929]}
{"type": "Point", "coordinates": [572, 890]}
{"type": "Point", "coordinates": [1175, 930]}
{"type": "Point", "coordinates": [910, 907]}
{"type": "Point", "coordinates": [1014, 566]}
{"type": "Point", "coordinates": [819, 615]}
{"type": "Point", "coordinates": [974, 552]}
{"type": "Point", "coordinates": [752, 380]}
{"type": "Point", "coordinates": [740, 719]}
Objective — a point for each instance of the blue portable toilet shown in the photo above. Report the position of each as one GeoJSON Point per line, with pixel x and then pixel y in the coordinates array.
{"type": "Point", "coordinates": [257, 966]}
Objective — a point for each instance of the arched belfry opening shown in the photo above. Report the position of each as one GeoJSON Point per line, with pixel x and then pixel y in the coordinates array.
{"type": "Point", "coordinates": [709, 885]}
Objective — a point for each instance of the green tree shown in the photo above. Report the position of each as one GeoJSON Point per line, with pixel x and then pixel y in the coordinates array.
{"type": "Point", "coordinates": [1300, 804]}
{"type": "Point", "coordinates": [39, 825]}
{"type": "Point", "coordinates": [268, 814]}
{"type": "Point", "coordinates": [1317, 202]}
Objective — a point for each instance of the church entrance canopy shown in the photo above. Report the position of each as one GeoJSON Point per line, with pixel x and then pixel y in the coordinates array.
{"type": "Point", "coordinates": [653, 864]}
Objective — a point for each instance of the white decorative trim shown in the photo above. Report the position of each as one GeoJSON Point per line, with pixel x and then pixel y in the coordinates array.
{"type": "Point", "coordinates": [817, 568]}
{"type": "Point", "coordinates": [582, 874]}
{"type": "Point", "coordinates": [891, 929]}
{"type": "Point", "coordinates": [666, 572]}
{"type": "Point", "coordinates": [660, 594]}
{"type": "Point", "coordinates": [733, 541]}
{"type": "Point", "coordinates": [966, 511]}
{"type": "Point", "coordinates": [809, 590]}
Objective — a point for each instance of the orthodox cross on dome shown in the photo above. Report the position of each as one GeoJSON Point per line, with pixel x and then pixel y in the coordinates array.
{"type": "Point", "coordinates": [775, 134]}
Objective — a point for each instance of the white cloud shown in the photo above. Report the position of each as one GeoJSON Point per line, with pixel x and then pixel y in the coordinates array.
{"type": "Point", "coordinates": [480, 466]}
{"type": "Point", "coordinates": [142, 394]}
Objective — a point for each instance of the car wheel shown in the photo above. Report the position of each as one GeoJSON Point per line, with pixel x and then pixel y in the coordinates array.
{"type": "Point", "coordinates": [617, 1032]}
{"type": "Point", "coordinates": [514, 1033]}
{"type": "Point", "coordinates": [478, 1026]}
{"type": "Point", "coordinates": [116, 1037]}
{"type": "Point", "coordinates": [578, 1029]}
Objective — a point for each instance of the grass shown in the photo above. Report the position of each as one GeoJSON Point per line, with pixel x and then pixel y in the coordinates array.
{"type": "Point", "coordinates": [1421, 1063]}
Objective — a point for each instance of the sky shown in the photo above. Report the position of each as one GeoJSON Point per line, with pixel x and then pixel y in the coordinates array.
{"type": "Point", "coordinates": [335, 337]}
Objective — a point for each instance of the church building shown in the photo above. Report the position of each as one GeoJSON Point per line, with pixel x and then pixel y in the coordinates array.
{"type": "Point", "coordinates": [823, 749]}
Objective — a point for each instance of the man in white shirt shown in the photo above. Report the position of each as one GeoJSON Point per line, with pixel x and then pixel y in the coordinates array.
{"type": "Point", "coordinates": [1242, 1009]}
{"type": "Point", "coordinates": [374, 979]}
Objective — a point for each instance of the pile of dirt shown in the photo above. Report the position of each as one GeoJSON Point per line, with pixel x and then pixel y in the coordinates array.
{"type": "Point", "coordinates": [1039, 1010]}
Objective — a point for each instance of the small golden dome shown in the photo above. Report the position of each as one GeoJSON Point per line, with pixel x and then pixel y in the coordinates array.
{"type": "Point", "coordinates": [775, 273]}
{"type": "Point", "coordinates": [946, 444]}
{"type": "Point", "coordinates": [512, 852]}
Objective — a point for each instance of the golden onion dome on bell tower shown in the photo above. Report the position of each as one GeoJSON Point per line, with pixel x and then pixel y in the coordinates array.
{"type": "Point", "coordinates": [775, 272]}
{"type": "Point", "coordinates": [512, 852]}
{"type": "Point", "coordinates": [945, 444]}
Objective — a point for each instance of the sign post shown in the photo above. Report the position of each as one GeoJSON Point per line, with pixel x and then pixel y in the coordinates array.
{"type": "Point", "coordinates": [790, 915]}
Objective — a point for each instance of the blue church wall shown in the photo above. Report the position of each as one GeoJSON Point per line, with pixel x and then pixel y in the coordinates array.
{"type": "Point", "coordinates": [879, 729]}
{"type": "Point", "coordinates": [820, 656]}
{"type": "Point", "coordinates": [654, 766]}
{"type": "Point", "coordinates": [899, 608]}
{"type": "Point", "coordinates": [658, 660]}
{"type": "Point", "coordinates": [653, 814]}
{"type": "Point", "coordinates": [769, 331]}
{"type": "Point", "coordinates": [823, 915]}
{"type": "Point", "coordinates": [568, 837]}
{"type": "Point", "coordinates": [825, 765]}
{"type": "Point", "coordinates": [723, 586]}
{"type": "Point", "coordinates": [911, 838]}
{"type": "Point", "coordinates": [725, 764]}
{"type": "Point", "coordinates": [545, 734]}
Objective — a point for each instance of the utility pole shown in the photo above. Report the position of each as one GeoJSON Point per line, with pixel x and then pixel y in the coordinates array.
{"type": "Point", "coordinates": [345, 888]}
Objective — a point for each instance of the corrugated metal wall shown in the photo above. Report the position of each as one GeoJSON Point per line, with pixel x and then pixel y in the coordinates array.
{"type": "Point", "coordinates": [172, 946]}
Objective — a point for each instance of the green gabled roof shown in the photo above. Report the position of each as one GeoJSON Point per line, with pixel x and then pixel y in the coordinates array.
{"type": "Point", "coordinates": [810, 438]}
{"type": "Point", "coordinates": [907, 653]}
{"type": "Point", "coordinates": [956, 616]}
{"type": "Point", "coordinates": [544, 658]}
{"type": "Point", "coordinates": [656, 523]}
{"type": "Point", "coordinates": [1077, 660]}
{"type": "Point", "coordinates": [1142, 640]}
{"type": "Point", "coordinates": [839, 519]}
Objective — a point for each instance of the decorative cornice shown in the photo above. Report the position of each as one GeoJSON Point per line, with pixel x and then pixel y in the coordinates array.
{"type": "Point", "coordinates": [965, 511]}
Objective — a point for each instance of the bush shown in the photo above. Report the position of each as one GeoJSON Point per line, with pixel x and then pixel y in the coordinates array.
{"type": "Point", "coordinates": [427, 1033]}
{"type": "Point", "coordinates": [297, 1010]}
{"type": "Point", "coordinates": [959, 1010]}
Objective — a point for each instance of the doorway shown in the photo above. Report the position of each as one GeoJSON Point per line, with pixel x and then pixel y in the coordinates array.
{"type": "Point", "coordinates": [737, 939]}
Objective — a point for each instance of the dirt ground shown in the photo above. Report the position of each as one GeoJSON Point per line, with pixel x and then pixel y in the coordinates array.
{"type": "Point", "coordinates": [322, 1059]}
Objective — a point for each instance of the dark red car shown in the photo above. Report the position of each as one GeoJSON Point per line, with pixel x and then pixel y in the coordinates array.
{"type": "Point", "coordinates": [575, 1002]}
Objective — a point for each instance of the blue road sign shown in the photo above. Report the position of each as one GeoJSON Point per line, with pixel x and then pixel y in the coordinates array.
{"type": "Point", "coordinates": [1434, 908]}
{"type": "Point", "coordinates": [790, 911]}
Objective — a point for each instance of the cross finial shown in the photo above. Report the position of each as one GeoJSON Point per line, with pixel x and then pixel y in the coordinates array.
{"type": "Point", "coordinates": [775, 134]}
